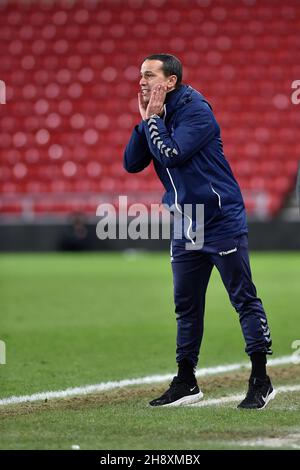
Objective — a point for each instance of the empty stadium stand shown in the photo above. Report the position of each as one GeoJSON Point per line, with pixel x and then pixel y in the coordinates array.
{"type": "Point", "coordinates": [71, 70]}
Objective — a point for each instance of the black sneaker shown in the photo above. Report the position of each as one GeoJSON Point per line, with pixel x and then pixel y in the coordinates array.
{"type": "Point", "coordinates": [179, 393]}
{"type": "Point", "coordinates": [260, 392]}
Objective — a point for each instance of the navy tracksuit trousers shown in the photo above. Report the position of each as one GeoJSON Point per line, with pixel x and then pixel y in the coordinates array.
{"type": "Point", "coordinates": [191, 273]}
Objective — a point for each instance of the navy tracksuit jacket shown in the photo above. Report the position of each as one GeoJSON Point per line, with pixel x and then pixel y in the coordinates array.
{"type": "Point", "coordinates": [187, 152]}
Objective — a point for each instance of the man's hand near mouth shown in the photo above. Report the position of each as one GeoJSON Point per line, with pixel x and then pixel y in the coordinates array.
{"type": "Point", "coordinates": [155, 104]}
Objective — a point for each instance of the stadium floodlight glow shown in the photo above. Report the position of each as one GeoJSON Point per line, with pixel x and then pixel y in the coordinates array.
{"type": "Point", "coordinates": [2, 92]}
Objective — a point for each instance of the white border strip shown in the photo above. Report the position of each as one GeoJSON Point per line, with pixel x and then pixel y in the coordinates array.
{"type": "Point", "coordinates": [89, 389]}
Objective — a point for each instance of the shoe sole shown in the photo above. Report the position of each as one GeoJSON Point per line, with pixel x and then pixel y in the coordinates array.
{"type": "Point", "coordinates": [187, 400]}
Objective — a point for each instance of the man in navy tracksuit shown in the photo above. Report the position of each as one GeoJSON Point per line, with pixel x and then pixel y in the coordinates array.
{"type": "Point", "coordinates": [181, 136]}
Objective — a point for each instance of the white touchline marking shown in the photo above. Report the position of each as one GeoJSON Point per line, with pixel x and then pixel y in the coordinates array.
{"type": "Point", "coordinates": [233, 398]}
{"type": "Point", "coordinates": [151, 379]}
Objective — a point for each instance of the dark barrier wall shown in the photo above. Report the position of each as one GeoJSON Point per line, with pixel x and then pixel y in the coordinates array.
{"type": "Point", "coordinates": [276, 235]}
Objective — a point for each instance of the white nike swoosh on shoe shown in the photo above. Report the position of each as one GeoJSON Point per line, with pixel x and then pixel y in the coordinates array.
{"type": "Point", "coordinates": [268, 397]}
{"type": "Point", "coordinates": [265, 398]}
{"type": "Point", "coordinates": [191, 389]}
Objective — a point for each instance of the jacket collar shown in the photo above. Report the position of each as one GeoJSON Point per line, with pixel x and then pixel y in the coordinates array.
{"type": "Point", "coordinates": [177, 97]}
{"type": "Point", "coordinates": [180, 96]}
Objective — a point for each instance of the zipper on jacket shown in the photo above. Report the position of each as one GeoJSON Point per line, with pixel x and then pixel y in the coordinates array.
{"type": "Point", "coordinates": [176, 195]}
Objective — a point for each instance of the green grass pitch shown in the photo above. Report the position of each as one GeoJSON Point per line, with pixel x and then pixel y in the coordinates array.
{"type": "Point", "coordinates": [72, 320]}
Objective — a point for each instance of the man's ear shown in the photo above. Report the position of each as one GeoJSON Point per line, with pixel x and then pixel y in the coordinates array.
{"type": "Point", "coordinates": [172, 80]}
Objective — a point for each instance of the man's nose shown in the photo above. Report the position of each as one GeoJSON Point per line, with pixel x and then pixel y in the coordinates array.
{"type": "Point", "coordinates": [142, 81]}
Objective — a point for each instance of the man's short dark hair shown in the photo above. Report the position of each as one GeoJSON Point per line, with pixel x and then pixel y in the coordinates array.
{"type": "Point", "coordinates": [171, 65]}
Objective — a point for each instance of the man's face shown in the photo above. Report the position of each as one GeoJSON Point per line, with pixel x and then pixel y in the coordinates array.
{"type": "Point", "coordinates": [152, 74]}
